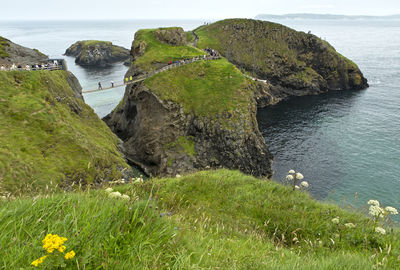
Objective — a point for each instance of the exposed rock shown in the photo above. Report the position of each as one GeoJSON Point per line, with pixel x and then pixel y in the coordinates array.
{"type": "Point", "coordinates": [13, 53]}
{"type": "Point", "coordinates": [97, 53]}
{"type": "Point", "coordinates": [154, 130]}
{"type": "Point", "coordinates": [173, 36]}
{"type": "Point", "coordinates": [294, 63]}
{"type": "Point", "coordinates": [75, 85]}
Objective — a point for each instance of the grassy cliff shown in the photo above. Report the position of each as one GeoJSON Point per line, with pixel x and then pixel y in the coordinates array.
{"type": "Point", "coordinates": [3, 44]}
{"type": "Point", "coordinates": [283, 56]}
{"type": "Point", "coordinates": [156, 52]}
{"type": "Point", "coordinates": [208, 220]}
{"type": "Point", "coordinates": [49, 137]}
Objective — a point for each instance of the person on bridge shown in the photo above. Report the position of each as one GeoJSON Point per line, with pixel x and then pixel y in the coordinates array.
{"type": "Point", "coordinates": [100, 87]}
{"type": "Point", "coordinates": [112, 83]}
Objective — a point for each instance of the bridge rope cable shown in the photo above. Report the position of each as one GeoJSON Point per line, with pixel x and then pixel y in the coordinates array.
{"type": "Point", "coordinates": [132, 80]}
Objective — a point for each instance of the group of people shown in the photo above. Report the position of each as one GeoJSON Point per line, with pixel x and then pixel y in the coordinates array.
{"type": "Point", "coordinates": [100, 87]}
{"type": "Point", "coordinates": [212, 52]}
{"type": "Point", "coordinates": [48, 66]}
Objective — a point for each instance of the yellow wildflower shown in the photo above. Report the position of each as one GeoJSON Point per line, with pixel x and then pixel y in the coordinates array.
{"type": "Point", "coordinates": [38, 261]}
{"type": "Point", "coordinates": [69, 255]}
{"type": "Point", "coordinates": [53, 242]}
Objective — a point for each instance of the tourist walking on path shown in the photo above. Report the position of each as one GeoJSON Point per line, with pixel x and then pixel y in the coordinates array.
{"type": "Point", "coordinates": [112, 83]}
{"type": "Point", "coordinates": [100, 87]}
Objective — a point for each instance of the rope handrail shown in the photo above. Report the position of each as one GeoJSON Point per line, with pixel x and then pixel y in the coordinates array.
{"type": "Point", "coordinates": [132, 80]}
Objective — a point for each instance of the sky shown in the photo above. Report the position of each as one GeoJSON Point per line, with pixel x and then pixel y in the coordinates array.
{"type": "Point", "coordinates": [185, 9]}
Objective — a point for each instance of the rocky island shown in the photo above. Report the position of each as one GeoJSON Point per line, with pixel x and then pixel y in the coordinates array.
{"type": "Point", "coordinates": [203, 115]}
{"type": "Point", "coordinates": [11, 53]}
{"type": "Point", "coordinates": [98, 53]}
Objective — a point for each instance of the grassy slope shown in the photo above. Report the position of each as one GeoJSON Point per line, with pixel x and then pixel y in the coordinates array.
{"type": "Point", "coordinates": [158, 52]}
{"type": "Point", "coordinates": [218, 220]}
{"type": "Point", "coordinates": [3, 43]}
{"type": "Point", "coordinates": [44, 143]}
{"type": "Point", "coordinates": [206, 88]}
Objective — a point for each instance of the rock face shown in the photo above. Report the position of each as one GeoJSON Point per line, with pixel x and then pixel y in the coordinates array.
{"type": "Point", "coordinates": [97, 53]}
{"type": "Point", "coordinates": [160, 138]}
{"type": "Point", "coordinates": [13, 53]}
{"type": "Point", "coordinates": [174, 36]}
{"type": "Point", "coordinates": [293, 63]}
{"type": "Point", "coordinates": [165, 137]}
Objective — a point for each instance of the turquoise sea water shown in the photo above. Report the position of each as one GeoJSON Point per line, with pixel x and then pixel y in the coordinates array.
{"type": "Point", "coordinates": [343, 142]}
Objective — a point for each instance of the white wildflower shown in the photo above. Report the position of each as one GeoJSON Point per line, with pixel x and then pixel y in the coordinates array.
{"type": "Point", "coordinates": [178, 176]}
{"type": "Point", "coordinates": [292, 172]}
{"type": "Point", "coordinates": [299, 176]}
{"type": "Point", "coordinates": [391, 210]}
{"type": "Point", "coordinates": [109, 190]}
{"type": "Point", "coordinates": [296, 187]}
{"type": "Point", "coordinates": [376, 211]}
{"type": "Point", "coordinates": [138, 180]}
{"type": "Point", "coordinates": [373, 202]}
{"type": "Point", "coordinates": [114, 194]}
{"type": "Point", "coordinates": [289, 177]}
{"type": "Point", "coordinates": [125, 197]}
{"type": "Point", "coordinates": [3, 198]}
{"type": "Point", "coordinates": [304, 184]}
{"type": "Point", "coordinates": [380, 230]}
{"type": "Point", "coordinates": [335, 220]}
{"type": "Point", "coordinates": [350, 225]}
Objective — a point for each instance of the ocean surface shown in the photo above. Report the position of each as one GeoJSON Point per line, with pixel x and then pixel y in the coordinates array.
{"type": "Point", "coordinates": [347, 144]}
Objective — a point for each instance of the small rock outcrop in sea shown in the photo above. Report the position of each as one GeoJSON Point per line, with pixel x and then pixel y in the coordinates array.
{"type": "Point", "coordinates": [292, 63]}
{"type": "Point", "coordinates": [13, 53]}
{"type": "Point", "coordinates": [98, 53]}
{"type": "Point", "coordinates": [197, 116]}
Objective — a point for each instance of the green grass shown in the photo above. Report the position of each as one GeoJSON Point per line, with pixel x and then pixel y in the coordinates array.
{"type": "Point", "coordinates": [3, 44]}
{"type": "Point", "coordinates": [206, 88]}
{"type": "Point", "coordinates": [182, 145]}
{"type": "Point", "coordinates": [208, 220]}
{"type": "Point", "coordinates": [95, 42]}
{"type": "Point", "coordinates": [158, 52]}
{"type": "Point", "coordinates": [49, 138]}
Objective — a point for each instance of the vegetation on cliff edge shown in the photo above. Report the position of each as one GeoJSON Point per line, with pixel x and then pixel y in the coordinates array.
{"type": "Point", "coordinates": [50, 138]}
{"type": "Point", "coordinates": [159, 52]}
{"type": "Point", "coordinates": [4, 43]}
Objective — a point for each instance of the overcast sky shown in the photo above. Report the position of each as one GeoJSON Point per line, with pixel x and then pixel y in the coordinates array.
{"type": "Point", "coordinates": [185, 9]}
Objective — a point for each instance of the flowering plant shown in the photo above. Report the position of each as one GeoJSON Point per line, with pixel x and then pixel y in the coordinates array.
{"type": "Point", "coordinates": [54, 246]}
{"type": "Point", "coordinates": [295, 177]}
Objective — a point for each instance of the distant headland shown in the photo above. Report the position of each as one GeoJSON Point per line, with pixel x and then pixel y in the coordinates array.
{"type": "Point", "coordinates": [312, 16]}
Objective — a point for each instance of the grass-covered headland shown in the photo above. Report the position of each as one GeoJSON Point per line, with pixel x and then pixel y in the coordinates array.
{"type": "Point", "coordinates": [208, 220]}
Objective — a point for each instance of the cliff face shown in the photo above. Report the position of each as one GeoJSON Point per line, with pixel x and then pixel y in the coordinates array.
{"type": "Point", "coordinates": [201, 115]}
{"type": "Point", "coordinates": [13, 53]}
{"type": "Point", "coordinates": [97, 53]}
{"type": "Point", "coordinates": [293, 63]}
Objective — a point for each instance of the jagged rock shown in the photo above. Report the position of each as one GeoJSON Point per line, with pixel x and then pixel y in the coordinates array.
{"type": "Point", "coordinates": [97, 53]}
{"type": "Point", "coordinates": [173, 36]}
{"type": "Point", "coordinates": [150, 127]}
{"type": "Point", "coordinates": [13, 53]}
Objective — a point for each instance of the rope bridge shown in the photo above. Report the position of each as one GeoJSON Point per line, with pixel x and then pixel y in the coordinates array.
{"type": "Point", "coordinates": [132, 80]}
